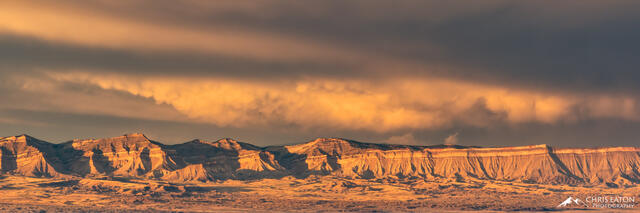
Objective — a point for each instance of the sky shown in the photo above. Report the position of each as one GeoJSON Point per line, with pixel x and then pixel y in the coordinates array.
{"type": "Point", "coordinates": [271, 72]}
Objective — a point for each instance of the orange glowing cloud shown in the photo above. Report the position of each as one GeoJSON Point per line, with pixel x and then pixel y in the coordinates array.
{"type": "Point", "coordinates": [399, 101]}
{"type": "Point", "coordinates": [359, 105]}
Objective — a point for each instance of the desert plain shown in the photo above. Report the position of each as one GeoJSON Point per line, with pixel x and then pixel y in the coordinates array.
{"type": "Point", "coordinates": [132, 173]}
{"type": "Point", "coordinates": [289, 194]}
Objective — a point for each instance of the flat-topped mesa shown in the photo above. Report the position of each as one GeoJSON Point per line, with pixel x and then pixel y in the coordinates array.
{"type": "Point", "coordinates": [523, 163]}
{"type": "Point", "coordinates": [355, 159]}
{"type": "Point", "coordinates": [594, 150]}
{"type": "Point", "coordinates": [619, 165]}
{"type": "Point", "coordinates": [537, 163]}
{"type": "Point", "coordinates": [136, 155]}
{"type": "Point", "coordinates": [525, 150]}
{"type": "Point", "coordinates": [446, 146]}
{"type": "Point", "coordinates": [541, 149]}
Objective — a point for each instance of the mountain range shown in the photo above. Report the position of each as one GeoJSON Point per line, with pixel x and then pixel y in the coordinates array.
{"type": "Point", "coordinates": [136, 156]}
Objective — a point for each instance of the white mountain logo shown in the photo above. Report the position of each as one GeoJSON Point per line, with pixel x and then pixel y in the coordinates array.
{"type": "Point", "coordinates": [572, 200]}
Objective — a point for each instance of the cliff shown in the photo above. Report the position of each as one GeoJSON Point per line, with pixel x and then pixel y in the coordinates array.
{"type": "Point", "coordinates": [24, 155]}
{"type": "Point", "coordinates": [134, 155]}
{"type": "Point", "coordinates": [128, 155]}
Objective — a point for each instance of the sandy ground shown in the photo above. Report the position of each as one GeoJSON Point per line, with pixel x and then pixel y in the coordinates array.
{"type": "Point", "coordinates": [313, 194]}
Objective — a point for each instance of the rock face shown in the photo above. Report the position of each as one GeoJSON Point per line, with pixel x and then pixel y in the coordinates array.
{"type": "Point", "coordinates": [134, 155]}
{"type": "Point", "coordinates": [222, 159]}
{"type": "Point", "coordinates": [24, 155]}
{"type": "Point", "coordinates": [128, 155]}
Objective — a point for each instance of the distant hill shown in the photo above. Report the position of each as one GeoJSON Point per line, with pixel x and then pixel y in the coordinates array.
{"type": "Point", "coordinates": [135, 155]}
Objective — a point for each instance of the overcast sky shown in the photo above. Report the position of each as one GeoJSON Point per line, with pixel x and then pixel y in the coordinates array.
{"type": "Point", "coordinates": [488, 73]}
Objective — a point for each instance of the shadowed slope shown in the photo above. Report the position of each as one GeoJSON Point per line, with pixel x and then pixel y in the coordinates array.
{"type": "Point", "coordinates": [25, 155]}
{"type": "Point", "coordinates": [222, 159]}
{"type": "Point", "coordinates": [127, 155]}
{"type": "Point", "coordinates": [134, 155]}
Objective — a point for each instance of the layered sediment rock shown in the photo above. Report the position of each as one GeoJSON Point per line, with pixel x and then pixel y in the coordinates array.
{"type": "Point", "coordinates": [128, 155]}
{"type": "Point", "coordinates": [24, 155]}
{"type": "Point", "coordinates": [134, 155]}
{"type": "Point", "coordinates": [222, 159]}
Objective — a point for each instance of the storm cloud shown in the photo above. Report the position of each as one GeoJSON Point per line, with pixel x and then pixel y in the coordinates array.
{"type": "Point", "coordinates": [370, 70]}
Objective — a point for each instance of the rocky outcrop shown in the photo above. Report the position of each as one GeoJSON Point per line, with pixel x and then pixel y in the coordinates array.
{"type": "Point", "coordinates": [134, 155]}
{"type": "Point", "coordinates": [536, 164]}
{"type": "Point", "coordinates": [224, 159]}
{"type": "Point", "coordinates": [24, 155]}
{"type": "Point", "coordinates": [617, 165]}
{"type": "Point", "coordinates": [128, 155]}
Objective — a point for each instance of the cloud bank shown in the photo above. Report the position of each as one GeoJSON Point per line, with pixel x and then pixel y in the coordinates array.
{"type": "Point", "coordinates": [415, 71]}
{"type": "Point", "coordinates": [382, 106]}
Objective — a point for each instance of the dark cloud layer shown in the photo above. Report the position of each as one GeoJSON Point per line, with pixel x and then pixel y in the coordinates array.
{"type": "Point", "coordinates": [581, 45]}
{"type": "Point", "coordinates": [568, 44]}
{"type": "Point", "coordinates": [26, 54]}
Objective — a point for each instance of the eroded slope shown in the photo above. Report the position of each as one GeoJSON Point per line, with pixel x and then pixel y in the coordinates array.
{"type": "Point", "coordinates": [134, 155]}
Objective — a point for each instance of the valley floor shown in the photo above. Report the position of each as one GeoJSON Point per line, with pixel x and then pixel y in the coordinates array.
{"type": "Point", "coordinates": [316, 193]}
